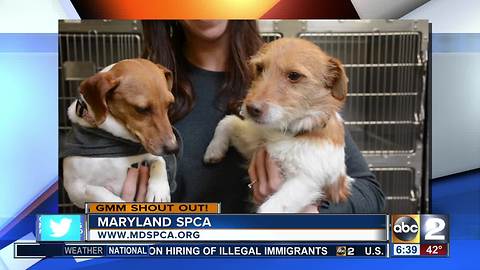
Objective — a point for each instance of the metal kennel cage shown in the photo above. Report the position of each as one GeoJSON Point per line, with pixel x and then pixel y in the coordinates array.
{"type": "Point", "coordinates": [86, 47]}
{"type": "Point", "coordinates": [385, 61]}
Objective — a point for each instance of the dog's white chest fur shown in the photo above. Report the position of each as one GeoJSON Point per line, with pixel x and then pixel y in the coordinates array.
{"type": "Point", "coordinates": [322, 161]}
{"type": "Point", "coordinates": [308, 167]}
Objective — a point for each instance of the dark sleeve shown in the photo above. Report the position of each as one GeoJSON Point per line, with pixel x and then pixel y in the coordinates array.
{"type": "Point", "coordinates": [366, 195]}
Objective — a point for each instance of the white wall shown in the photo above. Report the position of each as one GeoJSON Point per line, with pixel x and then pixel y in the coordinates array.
{"type": "Point", "coordinates": [455, 87]}
{"type": "Point", "coordinates": [385, 9]}
{"type": "Point", "coordinates": [456, 113]}
{"type": "Point", "coordinates": [450, 16]}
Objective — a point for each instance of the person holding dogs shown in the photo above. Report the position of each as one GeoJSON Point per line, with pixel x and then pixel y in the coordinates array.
{"type": "Point", "coordinates": [212, 73]}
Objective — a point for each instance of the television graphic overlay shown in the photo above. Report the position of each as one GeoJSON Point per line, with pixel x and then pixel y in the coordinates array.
{"type": "Point", "coordinates": [405, 229]}
{"type": "Point", "coordinates": [420, 235]}
{"type": "Point", "coordinates": [175, 230]}
{"type": "Point", "coordinates": [56, 228]}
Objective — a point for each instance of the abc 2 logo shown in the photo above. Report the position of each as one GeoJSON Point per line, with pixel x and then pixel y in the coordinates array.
{"type": "Point", "coordinates": [414, 229]}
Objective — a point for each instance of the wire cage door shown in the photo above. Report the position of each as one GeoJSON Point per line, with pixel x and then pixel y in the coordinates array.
{"type": "Point", "coordinates": [384, 106]}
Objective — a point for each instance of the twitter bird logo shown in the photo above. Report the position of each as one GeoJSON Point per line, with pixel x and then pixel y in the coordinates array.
{"type": "Point", "coordinates": [60, 229]}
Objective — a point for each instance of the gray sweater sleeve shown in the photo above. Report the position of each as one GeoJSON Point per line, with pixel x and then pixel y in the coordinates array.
{"type": "Point", "coordinates": [366, 195]}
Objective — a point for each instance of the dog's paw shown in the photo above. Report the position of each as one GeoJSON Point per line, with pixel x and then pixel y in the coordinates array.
{"type": "Point", "coordinates": [158, 167]}
{"type": "Point", "coordinates": [158, 189]}
{"type": "Point", "coordinates": [215, 152]}
{"type": "Point", "coordinates": [158, 192]}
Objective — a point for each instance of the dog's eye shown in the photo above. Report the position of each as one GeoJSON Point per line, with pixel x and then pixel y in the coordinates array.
{"type": "Point", "coordinates": [143, 110]}
{"type": "Point", "coordinates": [259, 68]}
{"type": "Point", "coordinates": [294, 76]}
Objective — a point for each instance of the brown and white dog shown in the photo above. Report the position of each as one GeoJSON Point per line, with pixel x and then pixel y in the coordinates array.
{"type": "Point", "coordinates": [130, 100]}
{"type": "Point", "coordinates": [292, 109]}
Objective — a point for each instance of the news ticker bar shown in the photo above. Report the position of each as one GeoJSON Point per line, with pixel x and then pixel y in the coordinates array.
{"type": "Point", "coordinates": [236, 227]}
{"type": "Point", "coordinates": [41, 250]}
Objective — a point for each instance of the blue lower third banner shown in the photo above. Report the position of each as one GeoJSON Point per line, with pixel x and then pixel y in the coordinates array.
{"type": "Point", "coordinates": [266, 228]}
{"type": "Point", "coordinates": [36, 250]}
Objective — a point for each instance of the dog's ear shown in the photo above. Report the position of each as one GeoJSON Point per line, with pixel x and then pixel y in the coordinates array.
{"type": "Point", "coordinates": [336, 79]}
{"type": "Point", "coordinates": [253, 68]}
{"type": "Point", "coordinates": [95, 89]}
{"type": "Point", "coordinates": [256, 63]}
{"type": "Point", "coordinates": [168, 76]}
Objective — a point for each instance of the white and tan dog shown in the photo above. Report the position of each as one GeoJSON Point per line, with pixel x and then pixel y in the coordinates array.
{"type": "Point", "coordinates": [130, 100]}
{"type": "Point", "coordinates": [292, 109]}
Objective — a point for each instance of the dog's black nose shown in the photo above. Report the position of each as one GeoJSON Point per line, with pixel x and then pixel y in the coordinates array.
{"type": "Point", "coordinates": [254, 110]}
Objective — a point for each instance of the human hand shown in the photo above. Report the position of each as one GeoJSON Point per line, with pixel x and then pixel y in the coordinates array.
{"type": "Point", "coordinates": [266, 178]}
{"type": "Point", "coordinates": [135, 185]}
